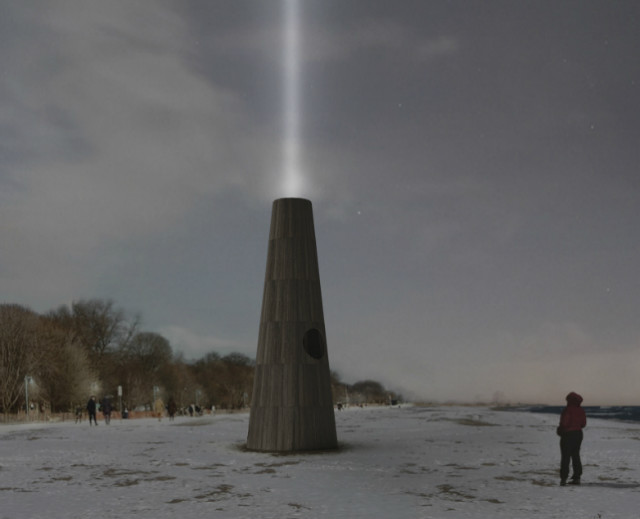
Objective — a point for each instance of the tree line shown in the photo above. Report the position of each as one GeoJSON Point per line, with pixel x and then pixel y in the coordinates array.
{"type": "Point", "coordinates": [93, 347]}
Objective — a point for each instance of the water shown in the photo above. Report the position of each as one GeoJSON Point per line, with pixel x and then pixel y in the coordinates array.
{"type": "Point", "coordinates": [620, 413]}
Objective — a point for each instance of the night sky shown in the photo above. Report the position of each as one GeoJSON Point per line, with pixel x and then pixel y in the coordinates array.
{"type": "Point", "coordinates": [473, 168]}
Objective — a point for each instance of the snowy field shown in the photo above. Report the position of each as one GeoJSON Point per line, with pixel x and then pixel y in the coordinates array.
{"type": "Point", "coordinates": [413, 462]}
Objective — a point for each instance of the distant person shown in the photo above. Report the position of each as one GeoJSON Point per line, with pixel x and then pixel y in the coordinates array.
{"type": "Point", "coordinates": [91, 409]}
{"type": "Point", "coordinates": [158, 407]}
{"type": "Point", "coordinates": [78, 414]}
{"type": "Point", "coordinates": [572, 420]}
{"type": "Point", "coordinates": [106, 410]}
{"type": "Point", "coordinates": [172, 408]}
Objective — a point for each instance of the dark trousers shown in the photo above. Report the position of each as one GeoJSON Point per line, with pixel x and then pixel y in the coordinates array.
{"type": "Point", "coordinates": [570, 443]}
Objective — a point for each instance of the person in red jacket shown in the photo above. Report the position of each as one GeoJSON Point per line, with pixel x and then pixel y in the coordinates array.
{"type": "Point", "coordinates": [572, 420]}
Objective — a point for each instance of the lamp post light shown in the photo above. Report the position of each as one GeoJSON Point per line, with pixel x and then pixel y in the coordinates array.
{"type": "Point", "coordinates": [27, 381]}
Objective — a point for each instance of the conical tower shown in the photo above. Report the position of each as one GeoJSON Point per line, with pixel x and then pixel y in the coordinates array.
{"type": "Point", "coordinates": [292, 405]}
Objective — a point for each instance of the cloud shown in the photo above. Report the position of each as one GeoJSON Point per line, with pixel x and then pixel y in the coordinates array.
{"type": "Point", "coordinates": [144, 123]}
{"type": "Point", "coordinates": [603, 378]}
{"type": "Point", "coordinates": [118, 136]}
{"type": "Point", "coordinates": [435, 48]}
{"type": "Point", "coordinates": [322, 44]}
{"type": "Point", "coordinates": [333, 42]}
{"type": "Point", "coordinates": [195, 346]}
{"type": "Point", "coordinates": [405, 345]}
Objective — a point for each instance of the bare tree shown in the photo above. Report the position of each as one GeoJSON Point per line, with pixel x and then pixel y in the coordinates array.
{"type": "Point", "coordinates": [178, 380]}
{"type": "Point", "coordinates": [339, 390]}
{"type": "Point", "coordinates": [239, 379]}
{"type": "Point", "coordinates": [65, 374]}
{"type": "Point", "coordinates": [142, 362]}
{"type": "Point", "coordinates": [227, 381]}
{"type": "Point", "coordinates": [18, 352]}
{"type": "Point", "coordinates": [101, 326]}
{"type": "Point", "coordinates": [369, 391]}
{"type": "Point", "coordinates": [102, 329]}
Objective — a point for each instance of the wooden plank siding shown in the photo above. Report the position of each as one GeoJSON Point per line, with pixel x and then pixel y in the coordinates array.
{"type": "Point", "coordinates": [291, 405]}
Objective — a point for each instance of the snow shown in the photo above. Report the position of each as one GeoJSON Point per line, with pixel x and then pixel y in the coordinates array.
{"type": "Point", "coordinates": [409, 462]}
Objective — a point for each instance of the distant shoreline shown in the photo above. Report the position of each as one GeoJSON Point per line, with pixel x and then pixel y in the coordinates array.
{"type": "Point", "coordinates": [618, 413]}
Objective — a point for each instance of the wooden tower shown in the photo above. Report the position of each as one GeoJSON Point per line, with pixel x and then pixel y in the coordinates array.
{"type": "Point", "coordinates": [292, 405]}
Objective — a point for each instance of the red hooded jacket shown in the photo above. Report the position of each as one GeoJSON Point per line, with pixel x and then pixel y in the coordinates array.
{"type": "Point", "coordinates": [573, 417]}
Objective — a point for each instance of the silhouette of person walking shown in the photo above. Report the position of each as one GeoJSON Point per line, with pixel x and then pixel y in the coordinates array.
{"type": "Point", "coordinates": [91, 409]}
{"type": "Point", "coordinates": [172, 408]}
{"type": "Point", "coordinates": [106, 410]}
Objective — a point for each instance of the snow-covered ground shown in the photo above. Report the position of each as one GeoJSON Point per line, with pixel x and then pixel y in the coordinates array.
{"type": "Point", "coordinates": [412, 462]}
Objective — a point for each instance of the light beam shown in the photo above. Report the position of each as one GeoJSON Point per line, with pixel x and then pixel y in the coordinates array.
{"type": "Point", "coordinates": [291, 151]}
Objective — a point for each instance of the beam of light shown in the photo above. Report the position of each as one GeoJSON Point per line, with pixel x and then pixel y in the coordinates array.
{"type": "Point", "coordinates": [291, 151]}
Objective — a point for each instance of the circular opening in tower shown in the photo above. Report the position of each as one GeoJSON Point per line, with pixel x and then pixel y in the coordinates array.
{"type": "Point", "coordinates": [313, 343]}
